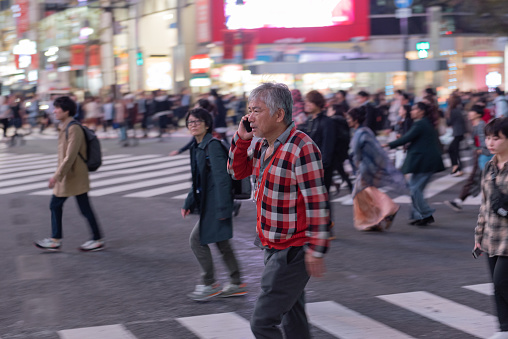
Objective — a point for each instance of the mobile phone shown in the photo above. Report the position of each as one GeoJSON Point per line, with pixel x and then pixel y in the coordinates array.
{"type": "Point", "coordinates": [476, 253]}
{"type": "Point", "coordinates": [246, 124]}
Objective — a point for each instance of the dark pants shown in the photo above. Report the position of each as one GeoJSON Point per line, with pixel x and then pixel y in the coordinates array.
{"type": "Point", "coordinates": [499, 270]}
{"type": "Point", "coordinates": [282, 298]}
{"type": "Point", "coordinates": [473, 183]}
{"type": "Point", "coordinates": [5, 124]}
{"type": "Point", "coordinates": [345, 177]}
{"type": "Point", "coordinates": [327, 177]}
{"type": "Point", "coordinates": [454, 151]}
{"type": "Point", "coordinates": [56, 207]}
{"type": "Point", "coordinates": [204, 257]}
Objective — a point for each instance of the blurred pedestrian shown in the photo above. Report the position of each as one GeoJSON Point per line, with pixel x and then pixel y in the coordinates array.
{"type": "Point", "coordinates": [292, 209]}
{"type": "Point", "coordinates": [491, 232]}
{"type": "Point", "coordinates": [299, 116]}
{"type": "Point", "coordinates": [423, 159]}
{"type": "Point", "coordinates": [373, 210]}
{"type": "Point", "coordinates": [70, 179]}
{"type": "Point", "coordinates": [481, 156]}
{"type": "Point", "coordinates": [5, 114]}
{"type": "Point", "coordinates": [321, 129]}
{"type": "Point", "coordinates": [109, 113]}
{"type": "Point", "coordinates": [363, 99]}
{"type": "Point", "coordinates": [162, 111]}
{"type": "Point", "coordinates": [219, 122]}
{"type": "Point", "coordinates": [455, 119]}
{"type": "Point", "coordinates": [341, 149]}
{"type": "Point", "coordinates": [500, 104]}
{"type": "Point", "coordinates": [215, 225]}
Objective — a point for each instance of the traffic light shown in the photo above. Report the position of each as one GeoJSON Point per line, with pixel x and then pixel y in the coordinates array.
{"type": "Point", "coordinates": [139, 59]}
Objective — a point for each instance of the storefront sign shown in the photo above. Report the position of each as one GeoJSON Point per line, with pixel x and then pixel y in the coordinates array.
{"type": "Point", "coordinates": [200, 63]}
{"type": "Point", "coordinates": [78, 55]}
{"type": "Point", "coordinates": [20, 12]}
{"type": "Point", "coordinates": [94, 55]}
{"type": "Point", "coordinates": [203, 25]}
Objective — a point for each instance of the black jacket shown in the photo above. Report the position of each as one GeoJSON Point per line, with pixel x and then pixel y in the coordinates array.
{"type": "Point", "coordinates": [322, 131]}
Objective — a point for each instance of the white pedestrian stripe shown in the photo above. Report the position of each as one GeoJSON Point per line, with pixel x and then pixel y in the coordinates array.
{"type": "Point", "coordinates": [348, 324]}
{"type": "Point", "coordinates": [447, 312]}
{"type": "Point", "coordinates": [142, 184]}
{"type": "Point", "coordinates": [161, 190]}
{"type": "Point", "coordinates": [487, 289]}
{"type": "Point", "coordinates": [218, 326]}
{"type": "Point", "coordinates": [98, 332]}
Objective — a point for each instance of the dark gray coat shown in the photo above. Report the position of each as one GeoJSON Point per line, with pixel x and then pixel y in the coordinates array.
{"type": "Point", "coordinates": [215, 200]}
{"type": "Point", "coordinates": [424, 150]}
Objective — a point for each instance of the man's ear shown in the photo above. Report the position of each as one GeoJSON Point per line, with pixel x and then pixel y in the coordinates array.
{"type": "Point", "coordinates": [280, 115]}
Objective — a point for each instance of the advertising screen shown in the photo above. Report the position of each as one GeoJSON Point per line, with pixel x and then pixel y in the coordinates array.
{"type": "Point", "coordinates": [288, 13]}
{"type": "Point", "coordinates": [276, 21]}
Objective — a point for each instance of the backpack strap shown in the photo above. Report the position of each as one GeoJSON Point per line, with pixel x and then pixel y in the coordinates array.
{"type": "Point", "coordinates": [74, 122]}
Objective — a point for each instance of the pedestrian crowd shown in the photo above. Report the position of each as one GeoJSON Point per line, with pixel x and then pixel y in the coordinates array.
{"type": "Point", "coordinates": [295, 147]}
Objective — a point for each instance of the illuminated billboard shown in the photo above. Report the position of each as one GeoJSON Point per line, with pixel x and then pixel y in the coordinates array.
{"type": "Point", "coordinates": [288, 13]}
{"type": "Point", "coordinates": [276, 21]}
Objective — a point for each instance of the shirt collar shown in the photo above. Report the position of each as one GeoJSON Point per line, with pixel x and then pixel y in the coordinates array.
{"type": "Point", "coordinates": [281, 139]}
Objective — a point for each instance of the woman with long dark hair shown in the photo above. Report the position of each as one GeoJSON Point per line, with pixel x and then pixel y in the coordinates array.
{"type": "Point", "coordinates": [423, 159]}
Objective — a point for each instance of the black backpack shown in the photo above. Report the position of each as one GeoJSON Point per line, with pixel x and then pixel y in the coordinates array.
{"type": "Point", "coordinates": [93, 147]}
{"type": "Point", "coordinates": [242, 189]}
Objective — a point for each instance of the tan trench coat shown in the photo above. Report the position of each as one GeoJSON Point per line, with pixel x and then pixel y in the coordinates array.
{"type": "Point", "coordinates": [71, 175]}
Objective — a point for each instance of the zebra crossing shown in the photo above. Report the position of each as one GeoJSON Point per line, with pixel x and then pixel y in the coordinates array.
{"type": "Point", "coordinates": [145, 176]}
{"type": "Point", "coordinates": [330, 317]}
{"type": "Point", "coordinates": [141, 176]}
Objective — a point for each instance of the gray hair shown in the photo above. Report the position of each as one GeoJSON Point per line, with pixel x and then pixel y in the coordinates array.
{"type": "Point", "coordinates": [275, 96]}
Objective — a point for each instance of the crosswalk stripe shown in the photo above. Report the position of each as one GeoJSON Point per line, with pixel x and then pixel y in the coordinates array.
{"type": "Point", "coordinates": [218, 326]}
{"type": "Point", "coordinates": [487, 289]}
{"type": "Point", "coordinates": [160, 190]}
{"type": "Point", "coordinates": [21, 156]}
{"type": "Point", "coordinates": [118, 180]}
{"type": "Point", "coordinates": [136, 185]}
{"type": "Point", "coordinates": [181, 196]}
{"type": "Point", "coordinates": [27, 174]}
{"type": "Point", "coordinates": [123, 165]}
{"type": "Point", "coordinates": [348, 324]}
{"type": "Point", "coordinates": [445, 311]}
{"type": "Point", "coordinates": [31, 161]}
{"type": "Point", "coordinates": [97, 332]}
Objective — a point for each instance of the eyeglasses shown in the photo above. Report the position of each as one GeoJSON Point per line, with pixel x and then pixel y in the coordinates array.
{"type": "Point", "coordinates": [194, 122]}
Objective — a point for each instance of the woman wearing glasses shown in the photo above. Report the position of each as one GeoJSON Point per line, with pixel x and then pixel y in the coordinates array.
{"type": "Point", "coordinates": [211, 196]}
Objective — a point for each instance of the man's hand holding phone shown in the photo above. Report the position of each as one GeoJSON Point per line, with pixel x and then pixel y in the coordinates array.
{"type": "Point", "coordinates": [477, 251]}
{"type": "Point", "coordinates": [244, 129]}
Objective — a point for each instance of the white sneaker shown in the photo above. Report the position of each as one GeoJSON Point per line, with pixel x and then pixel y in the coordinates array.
{"type": "Point", "coordinates": [49, 244]}
{"type": "Point", "coordinates": [92, 245]}
{"type": "Point", "coordinates": [233, 290]}
{"type": "Point", "coordinates": [500, 335]}
{"type": "Point", "coordinates": [204, 292]}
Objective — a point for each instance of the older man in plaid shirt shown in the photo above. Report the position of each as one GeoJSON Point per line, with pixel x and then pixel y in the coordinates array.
{"type": "Point", "coordinates": [293, 215]}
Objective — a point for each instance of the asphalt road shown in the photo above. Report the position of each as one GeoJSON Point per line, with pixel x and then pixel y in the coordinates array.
{"type": "Point", "coordinates": [141, 280]}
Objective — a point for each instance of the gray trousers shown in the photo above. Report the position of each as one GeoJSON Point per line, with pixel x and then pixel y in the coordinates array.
{"type": "Point", "coordinates": [204, 256]}
{"type": "Point", "coordinates": [282, 298]}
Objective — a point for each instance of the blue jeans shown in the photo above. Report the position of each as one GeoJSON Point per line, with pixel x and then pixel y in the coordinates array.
{"type": "Point", "coordinates": [56, 207]}
{"type": "Point", "coordinates": [417, 184]}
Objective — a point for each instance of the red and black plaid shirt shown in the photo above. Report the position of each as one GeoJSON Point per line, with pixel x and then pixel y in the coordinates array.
{"type": "Point", "coordinates": [291, 197]}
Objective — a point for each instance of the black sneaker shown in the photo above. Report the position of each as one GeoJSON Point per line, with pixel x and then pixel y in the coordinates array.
{"type": "Point", "coordinates": [453, 205]}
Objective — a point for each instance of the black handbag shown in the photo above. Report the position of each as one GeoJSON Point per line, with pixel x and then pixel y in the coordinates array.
{"type": "Point", "coordinates": [499, 200]}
